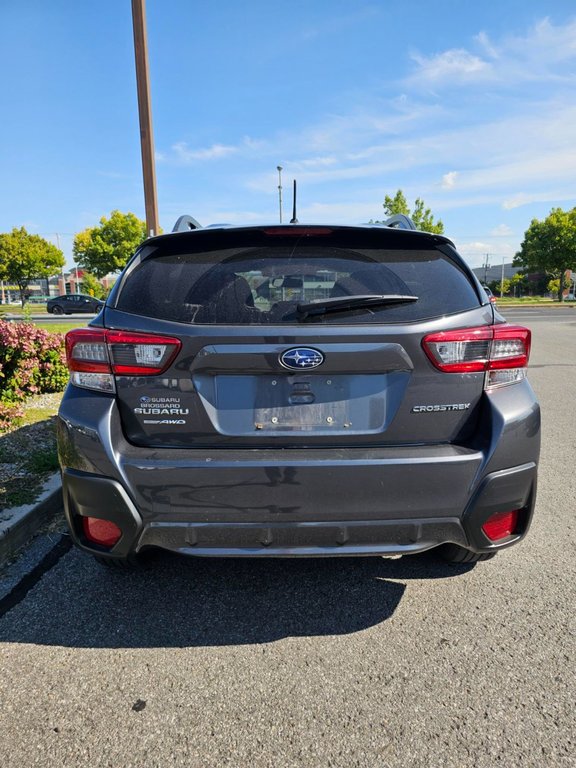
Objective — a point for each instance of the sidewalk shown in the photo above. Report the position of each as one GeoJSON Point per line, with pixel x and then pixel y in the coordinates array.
{"type": "Point", "coordinates": [19, 524]}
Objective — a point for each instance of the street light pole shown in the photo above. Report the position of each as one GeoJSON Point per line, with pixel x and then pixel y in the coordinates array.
{"type": "Point", "coordinates": [145, 114]}
{"type": "Point", "coordinates": [279, 169]}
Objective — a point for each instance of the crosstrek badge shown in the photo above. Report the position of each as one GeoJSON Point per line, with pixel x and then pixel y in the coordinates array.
{"type": "Point", "coordinates": [440, 408]}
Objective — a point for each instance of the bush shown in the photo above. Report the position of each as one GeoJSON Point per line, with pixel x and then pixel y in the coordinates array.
{"type": "Point", "coordinates": [32, 362]}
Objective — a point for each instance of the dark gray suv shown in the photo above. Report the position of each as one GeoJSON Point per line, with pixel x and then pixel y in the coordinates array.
{"type": "Point", "coordinates": [298, 391]}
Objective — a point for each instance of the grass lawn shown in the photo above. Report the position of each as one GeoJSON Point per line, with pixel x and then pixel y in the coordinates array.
{"type": "Point", "coordinates": [526, 300]}
{"type": "Point", "coordinates": [62, 327]}
{"type": "Point", "coordinates": [16, 309]}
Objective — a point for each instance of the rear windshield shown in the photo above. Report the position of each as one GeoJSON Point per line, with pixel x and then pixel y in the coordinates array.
{"type": "Point", "coordinates": [266, 285]}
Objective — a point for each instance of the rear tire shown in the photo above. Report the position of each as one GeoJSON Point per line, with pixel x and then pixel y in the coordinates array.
{"type": "Point", "coordinates": [57, 310]}
{"type": "Point", "coordinates": [456, 555]}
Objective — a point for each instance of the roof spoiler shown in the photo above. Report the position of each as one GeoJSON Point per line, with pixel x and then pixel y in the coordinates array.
{"type": "Point", "coordinates": [185, 224]}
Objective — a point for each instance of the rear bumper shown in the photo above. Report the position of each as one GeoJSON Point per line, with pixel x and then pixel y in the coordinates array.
{"type": "Point", "coordinates": [298, 502]}
{"type": "Point", "coordinates": [279, 535]}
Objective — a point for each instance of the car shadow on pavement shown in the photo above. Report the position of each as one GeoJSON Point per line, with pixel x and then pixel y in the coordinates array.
{"type": "Point", "coordinates": [188, 602]}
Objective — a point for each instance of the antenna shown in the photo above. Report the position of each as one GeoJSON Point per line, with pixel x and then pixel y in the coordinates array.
{"type": "Point", "coordinates": [294, 220]}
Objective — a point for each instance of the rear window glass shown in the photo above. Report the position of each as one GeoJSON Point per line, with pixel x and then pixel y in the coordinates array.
{"type": "Point", "coordinates": [269, 285]}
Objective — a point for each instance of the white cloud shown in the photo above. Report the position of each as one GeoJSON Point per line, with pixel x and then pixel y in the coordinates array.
{"type": "Point", "coordinates": [533, 57]}
{"type": "Point", "coordinates": [449, 180]}
{"type": "Point", "coordinates": [502, 230]}
{"type": "Point", "coordinates": [553, 195]}
{"type": "Point", "coordinates": [545, 42]}
{"type": "Point", "coordinates": [317, 162]}
{"type": "Point", "coordinates": [456, 65]}
{"type": "Point", "coordinates": [477, 252]}
{"type": "Point", "coordinates": [475, 247]}
{"type": "Point", "coordinates": [486, 45]}
{"type": "Point", "coordinates": [185, 155]}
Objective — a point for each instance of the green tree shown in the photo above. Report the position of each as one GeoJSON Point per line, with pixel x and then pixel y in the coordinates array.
{"type": "Point", "coordinates": [92, 286]}
{"type": "Point", "coordinates": [500, 287]}
{"type": "Point", "coordinates": [550, 246]}
{"type": "Point", "coordinates": [518, 283]}
{"type": "Point", "coordinates": [420, 215]}
{"type": "Point", "coordinates": [25, 257]}
{"type": "Point", "coordinates": [107, 247]}
{"type": "Point", "coordinates": [554, 285]}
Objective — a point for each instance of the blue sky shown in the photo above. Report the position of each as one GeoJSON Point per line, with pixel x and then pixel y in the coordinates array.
{"type": "Point", "coordinates": [471, 106]}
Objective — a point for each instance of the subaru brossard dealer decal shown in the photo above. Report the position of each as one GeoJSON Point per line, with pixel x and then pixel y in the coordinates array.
{"type": "Point", "coordinates": [161, 406]}
{"type": "Point", "coordinates": [301, 358]}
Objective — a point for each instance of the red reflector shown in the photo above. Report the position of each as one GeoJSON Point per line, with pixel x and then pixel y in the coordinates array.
{"type": "Point", "coordinates": [501, 525]}
{"type": "Point", "coordinates": [102, 532]}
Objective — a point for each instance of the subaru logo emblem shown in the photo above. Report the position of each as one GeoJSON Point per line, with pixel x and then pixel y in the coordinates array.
{"type": "Point", "coordinates": [300, 358]}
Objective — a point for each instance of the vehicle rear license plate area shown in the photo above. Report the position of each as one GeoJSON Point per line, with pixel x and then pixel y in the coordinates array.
{"type": "Point", "coordinates": [291, 404]}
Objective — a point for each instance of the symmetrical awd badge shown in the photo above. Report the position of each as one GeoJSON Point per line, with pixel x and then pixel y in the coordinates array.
{"type": "Point", "coordinates": [301, 358]}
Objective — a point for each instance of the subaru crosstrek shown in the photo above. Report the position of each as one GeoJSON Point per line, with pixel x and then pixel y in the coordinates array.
{"type": "Point", "coordinates": [298, 391]}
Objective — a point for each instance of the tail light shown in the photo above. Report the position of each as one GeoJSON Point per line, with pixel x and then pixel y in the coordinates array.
{"type": "Point", "coordinates": [95, 357]}
{"type": "Point", "coordinates": [501, 525]}
{"type": "Point", "coordinates": [501, 351]}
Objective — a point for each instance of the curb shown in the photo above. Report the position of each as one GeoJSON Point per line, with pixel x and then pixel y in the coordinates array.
{"type": "Point", "coordinates": [19, 524]}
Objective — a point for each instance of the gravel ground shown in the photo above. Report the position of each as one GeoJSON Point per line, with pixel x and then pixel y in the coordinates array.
{"type": "Point", "coordinates": [27, 452]}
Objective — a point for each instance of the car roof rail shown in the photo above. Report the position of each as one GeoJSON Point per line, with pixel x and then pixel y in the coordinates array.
{"type": "Point", "coordinates": [400, 221]}
{"type": "Point", "coordinates": [186, 223]}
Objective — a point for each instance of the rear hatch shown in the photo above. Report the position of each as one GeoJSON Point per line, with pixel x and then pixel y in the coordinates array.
{"type": "Point", "coordinates": [293, 336]}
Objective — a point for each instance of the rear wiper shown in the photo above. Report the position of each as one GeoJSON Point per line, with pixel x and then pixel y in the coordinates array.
{"type": "Point", "coordinates": [343, 303]}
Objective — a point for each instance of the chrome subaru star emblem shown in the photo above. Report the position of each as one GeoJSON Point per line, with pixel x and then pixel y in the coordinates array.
{"type": "Point", "coordinates": [301, 357]}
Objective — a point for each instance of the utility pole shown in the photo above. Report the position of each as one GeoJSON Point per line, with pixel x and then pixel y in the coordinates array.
{"type": "Point", "coordinates": [279, 169]}
{"type": "Point", "coordinates": [486, 266]}
{"type": "Point", "coordinates": [145, 114]}
{"type": "Point", "coordinates": [502, 279]}
{"type": "Point", "coordinates": [62, 278]}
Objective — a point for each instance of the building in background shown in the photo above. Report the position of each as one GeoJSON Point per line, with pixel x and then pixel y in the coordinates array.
{"type": "Point", "coordinates": [42, 289]}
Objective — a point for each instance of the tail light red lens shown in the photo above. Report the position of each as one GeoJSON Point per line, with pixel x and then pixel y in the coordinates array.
{"type": "Point", "coordinates": [472, 350]}
{"type": "Point", "coordinates": [86, 351]}
{"type": "Point", "coordinates": [136, 354]}
{"type": "Point", "coordinates": [501, 525]}
{"type": "Point", "coordinates": [94, 357]}
{"type": "Point", "coordinates": [103, 532]}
